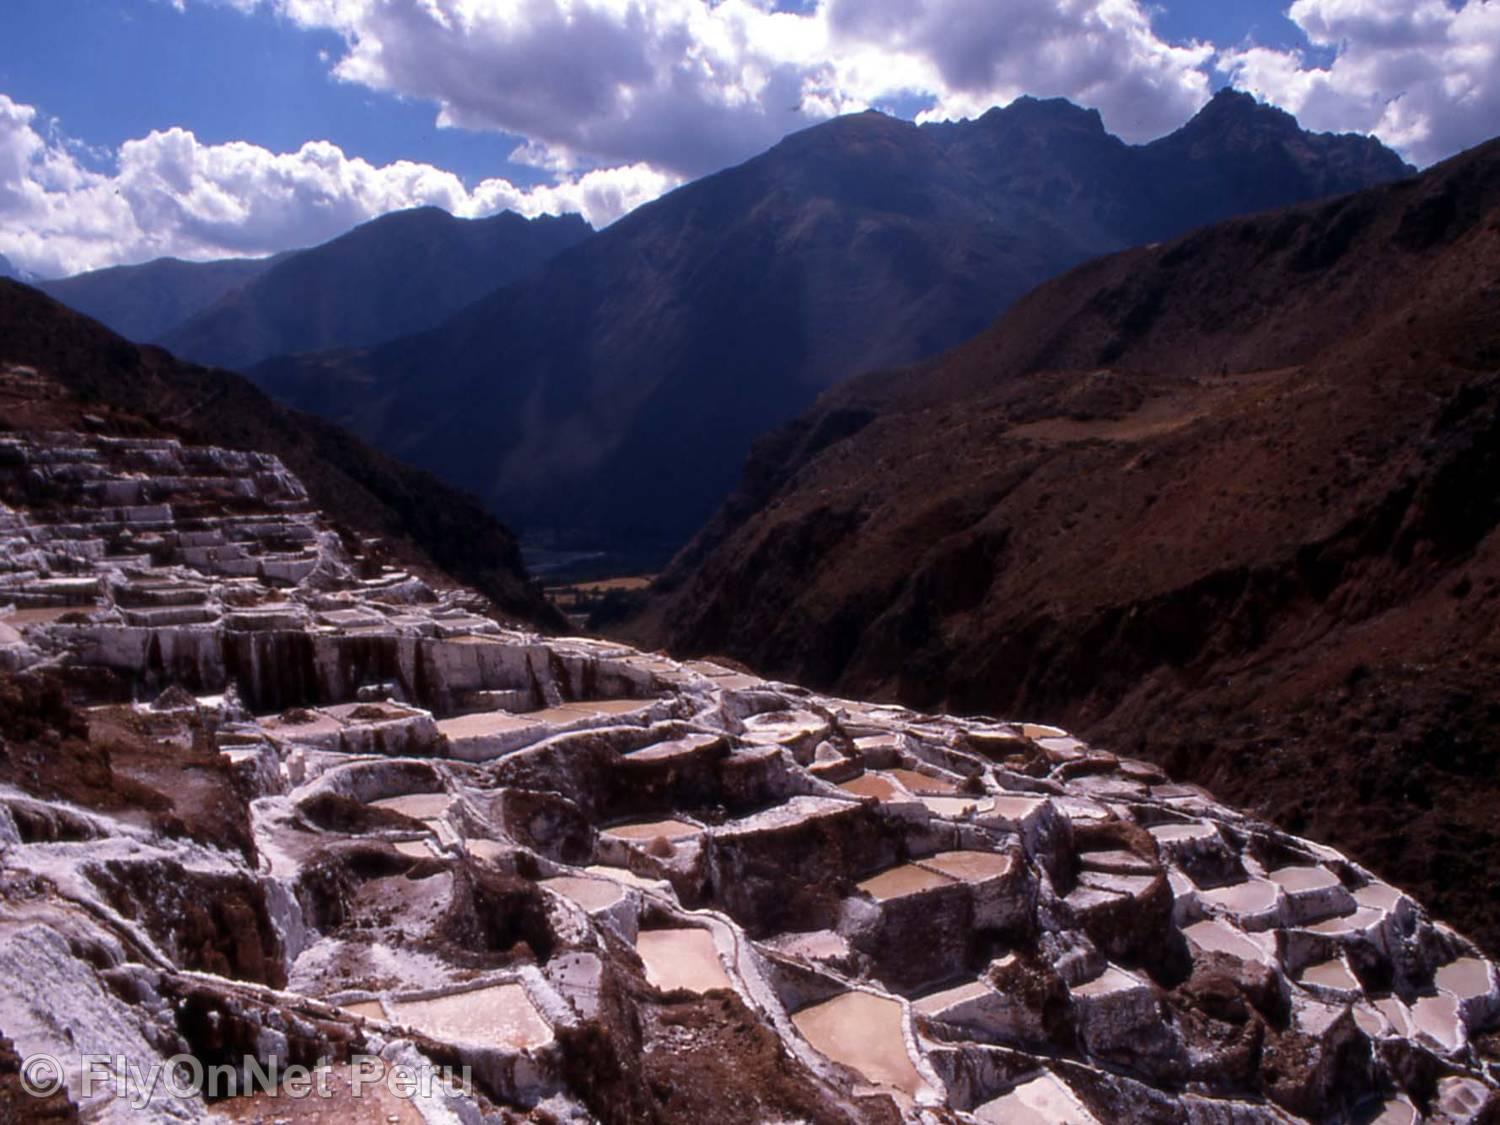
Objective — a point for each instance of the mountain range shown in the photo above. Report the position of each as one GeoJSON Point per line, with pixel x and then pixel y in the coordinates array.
{"type": "Point", "coordinates": [145, 301]}
{"type": "Point", "coordinates": [398, 274]}
{"type": "Point", "coordinates": [1231, 503]}
{"type": "Point", "coordinates": [609, 398]}
{"type": "Point", "coordinates": [394, 275]}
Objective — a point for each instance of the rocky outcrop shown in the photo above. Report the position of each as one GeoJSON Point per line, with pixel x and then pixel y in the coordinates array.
{"type": "Point", "coordinates": [617, 887]}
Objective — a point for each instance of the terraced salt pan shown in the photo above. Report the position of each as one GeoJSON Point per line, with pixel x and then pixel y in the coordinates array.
{"type": "Point", "coordinates": [1045, 1100]}
{"type": "Point", "coordinates": [1213, 936]}
{"type": "Point", "coordinates": [898, 882]}
{"type": "Point", "coordinates": [949, 997]}
{"type": "Point", "coordinates": [864, 1032]}
{"type": "Point", "coordinates": [1437, 1017]}
{"type": "Point", "coordinates": [624, 875]}
{"type": "Point", "coordinates": [1331, 974]}
{"type": "Point", "coordinates": [418, 806]}
{"type": "Point", "coordinates": [591, 894]}
{"type": "Point", "coordinates": [588, 709]}
{"type": "Point", "coordinates": [1468, 978]}
{"type": "Point", "coordinates": [1253, 896]}
{"type": "Point", "coordinates": [1299, 879]}
{"type": "Point", "coordinates": [873, 785]}
{"type": "Point", "coordinates": [920, 782]}
{"type": "Point", "coordinates": [499, 1015]}
{"type": "Point", "coordinates": [953, 807]}
{"type": "Point", "coordinates": [683, 958]}
{"type": "Point", "coordinates": [969, 866]}
{"type": "Point", "coordinates": [651, 829]}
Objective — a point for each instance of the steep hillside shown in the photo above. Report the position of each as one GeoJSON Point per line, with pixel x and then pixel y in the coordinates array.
{"type": "Point", "coordinates": [1230, 502]}
{"type": "Point", "coordinates": [398, 274]}
{"type": "Point", "coordinates": [86, 377]}
{"type": "Point", "coordinates": [142, 302]}
{"type": "Point", "coordinates": [611, 398]}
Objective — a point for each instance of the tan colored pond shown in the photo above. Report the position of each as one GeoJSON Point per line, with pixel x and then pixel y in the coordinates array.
{"type": "Point", "coordinates": [1213, 936]}
{"type": "Point", "coordinates": [587, 709]}
{"type": "Point", "coordinates": [969, 866]}
{"type": "Point", "coordinates": [908, 879]}
{"type": "Point", "coordinates": [873, 785]}
{"type": "Point", "coordinates": [365, 1009]}
{"type": "Point", "coordinates": [1253, 896]}
{"type": "Point", "coordinates": [1045, 1100]}
{"type": "Point", "coordinates": [920, 782]}
{"type": "Point", "coordinates": [651, 829]}
{"type": "Point", "coordinates": [499, 1015]}
{"type": "Point", "coordinates": [1467, 978]}
{"type": "Point", "coordinates": [418, 806]}
{"type": "Point", "coordinates": [1437, 1016]}
{"type": "Point", "coordinates": [957, 806]}
{"type": "Point", "coordinates": [591, 894]}
{"type": "Point", "coordinates": [685, 958]}
{"type": "Point", "coordinates": [1295, 879]}
{"type": "Point", "coordinates": [865, 1033]}
{"type": "Point", "coordinates": [1331, 974]}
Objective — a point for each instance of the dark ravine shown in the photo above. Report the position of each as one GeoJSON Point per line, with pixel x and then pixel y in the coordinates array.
{"type": "Point", "coordinates": [609, 400]}
{"type": "Point", "coordinates": [1230, 503]}
{"type": "Point", "coordinates": [96, 380]}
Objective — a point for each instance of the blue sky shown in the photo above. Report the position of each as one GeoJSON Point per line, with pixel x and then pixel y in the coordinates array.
{"type": "Point", "coordinates": [133, 128]}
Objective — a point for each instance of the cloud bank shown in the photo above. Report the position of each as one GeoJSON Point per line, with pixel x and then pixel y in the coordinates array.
{"type": "Point", "coordinates": [173, 195]}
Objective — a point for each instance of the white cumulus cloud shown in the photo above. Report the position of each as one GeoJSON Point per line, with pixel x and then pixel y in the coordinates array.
{"type": "Point", "coordinates": [1423, 75]}
{"type": "Point", "coordinates": [171, 194]}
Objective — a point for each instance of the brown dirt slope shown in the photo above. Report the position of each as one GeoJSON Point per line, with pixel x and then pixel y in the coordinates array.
{"type": "Point", "coordinates": [124, 388]}
{"type": "Point", "coordinates": [1230, 502]}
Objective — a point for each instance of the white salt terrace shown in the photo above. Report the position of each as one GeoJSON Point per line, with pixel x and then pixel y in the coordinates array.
{"type": "Point", "coordinates": [682, 959]}
{"type": "Point", "coordinates": [407, 697]}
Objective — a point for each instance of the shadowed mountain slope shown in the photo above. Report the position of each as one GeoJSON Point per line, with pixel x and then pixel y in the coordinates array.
{"type": "Point", "coordinates": [142, 302]}
{"type": "Point", "coordinates": [88, 378]}
{"type": "Point", "coordinates": [1231, 503]}
{"type": "Point", "coordinates": [397, 274]}
{"type": "Point", "coordinates": [610, 399]}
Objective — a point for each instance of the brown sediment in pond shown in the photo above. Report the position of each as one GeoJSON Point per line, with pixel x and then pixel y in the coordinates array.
{"type": "Point", "coordinates": [864, 1032]}
{"type": "Point", "coordinates": [873, 785]}
{"type": "Point", "coordinates": [907, 879]}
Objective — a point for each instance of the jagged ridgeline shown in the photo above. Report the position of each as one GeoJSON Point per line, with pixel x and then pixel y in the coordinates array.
{"type": "Point", "coordinates": [267, 801]}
